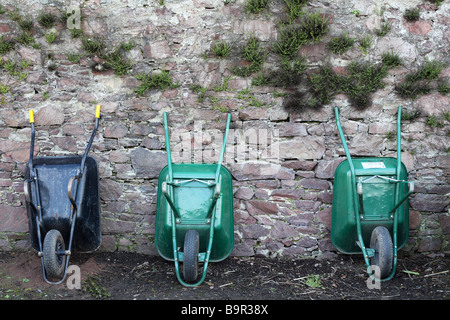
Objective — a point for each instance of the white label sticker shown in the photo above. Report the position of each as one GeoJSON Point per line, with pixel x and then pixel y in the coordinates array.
{"type": "Point", "coordinates": [373, 165]}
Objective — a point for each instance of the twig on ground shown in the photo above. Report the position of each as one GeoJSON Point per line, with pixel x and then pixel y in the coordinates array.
{"type": "Point", "coordinates": [434, 274]}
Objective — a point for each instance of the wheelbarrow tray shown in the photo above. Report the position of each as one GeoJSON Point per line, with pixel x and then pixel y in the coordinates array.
{"type": "Point", "coordinates": [192, 203]}
{"type": "Point", "coordinates": [378, 200]}
{"type": "Point", "coordinates": [54, 174]}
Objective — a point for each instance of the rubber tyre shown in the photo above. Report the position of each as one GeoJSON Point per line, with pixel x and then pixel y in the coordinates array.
{"type": "Point", "coordinates": [54, 264]}
{"type": "Point", "coordinates": [190, 259]}
{"type": "Point", "coordinates": [381, 242]}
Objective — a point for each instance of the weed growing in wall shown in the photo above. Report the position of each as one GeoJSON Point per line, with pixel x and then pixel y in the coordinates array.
{"type": "Point", "coordinates": [384, 30]}
{"type": "Point", "coordinates": [74, 57]}
{"type": "Point", "coordinates": [201, 91]}
{"type": "Point", "coordinates": [295, 8]}
{"type": "Point", "coordinates": [364, 79]}
{"type": "Point", "coordinates": [92, 45]}
{"type": "Point", "coordinates": [110, 59]}
{"type": "Point", "coordinates": [443, 87]}
{"type": "Point", "coordinates": [289, 74]}
{"type": "Point", "coordinates": [16, 69]}
{"type": "Point", "coordinates": [27, 40]}
{"type": "Point", "coordinates": [254, 54]}
{"type": "Point", "coordinates": [222, 49]}
{"type": "Point", "coordinates": [256, 6]}
{"type": "Point", "coordinates": [391, 60]}
{"type": "Point", "coordinates": [47, 20]}
{"type": "Point", "coordinates": [412, 14]}
{"type": "Point", "coordinates": [6, 45]}
{"type": "Point", "coordinates": [26, 24]}
{"type": "Point", "coordinates": [51, 37]}
{"type": "Point", "coordinates": [315, 26]}
{"type": "Point", "coordinates": [291, 38]}
{"type": "Point", "coordinates": [14, 15]}
{"type": "Point", "coordinates": [365, 43]}
{"type": "Point", "coordinates": [76, 33]}
{"type": "Point", "coordinates": [421, 81]}
{"type": "Point", "coordinates": [157, 80]}
{"type": "Point", "coordinates": [411, 115]}
{"type": "Point", "coordinates": [118, 63]}
{"type": "Point", "coordinates": [340, 44]}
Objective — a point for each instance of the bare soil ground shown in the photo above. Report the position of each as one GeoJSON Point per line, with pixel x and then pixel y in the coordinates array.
{"type": "Point", "coordinates": [128, 276]}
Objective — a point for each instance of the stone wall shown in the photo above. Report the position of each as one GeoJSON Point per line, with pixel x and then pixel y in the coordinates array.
{"type": "Point", "coordinates": [283, 184]}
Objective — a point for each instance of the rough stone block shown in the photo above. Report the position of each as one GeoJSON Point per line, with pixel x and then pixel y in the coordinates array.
{"type": "Point", "coordinates": [244, 193]}
{"type": "Point", "coordinates": [253, 171]}
{"type": "Point", "coordinates": [116, 131]}
{"type": "Point", "coordinates": [263, 30]}
{"type": "Point", "coordinates": [254, 231]}
{"type": "Point", "coordinates": [12, 118]}
{"type": "Point", "coordinates": [434, 104]}
{"type": "Point", "coordinates": [49, 116]}
{"type": "Point", "coordinates": [403, 48]}
{"type": "Point", "coordinates": [444, 221]}
{"type": "Point", "coordinates": [157, 50]}
{"type": "Point", "coordinates": [314, 184]}
{"type": "Point", "coordinates": [429, 202]}
{"type": "Point", "coordinates": [146, 163]}
{"type": "Point", "coordinates": [110, 190]}
{"type": "Point", "coordinates": [290, 129]}
{"type": "Point", "coordinates": [430, 244]}
{"type": "Point", "coordinates": [13, 219]}
{"type": "Point", "coordinates": [305, 148]}
{"type": "Point", "coordinates": [365, 145]}
{"type": "Point", "coordinates": [421, 27]}
{"type": "Point", "coordinates": [326, 168]}
{"type": "Point", "coordinates": [255, 207]}
{"type": "Point", "coordinates": [18, 151]}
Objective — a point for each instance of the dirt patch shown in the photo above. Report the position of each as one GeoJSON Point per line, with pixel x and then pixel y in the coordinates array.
{"type": "Point", "coordinates": [128, 276]}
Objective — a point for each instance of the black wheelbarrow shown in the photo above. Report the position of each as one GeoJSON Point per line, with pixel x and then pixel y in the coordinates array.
{"type": "Point", "coordinates": [63, 206]}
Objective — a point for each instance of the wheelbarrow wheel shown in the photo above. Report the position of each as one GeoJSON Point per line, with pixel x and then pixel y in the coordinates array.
{"type": "Point", "coordinates": [190, 259]}
{"type": "Point", "coordinates": [53, 261]}
{"type": "Point", "coordinates": [381, 242]}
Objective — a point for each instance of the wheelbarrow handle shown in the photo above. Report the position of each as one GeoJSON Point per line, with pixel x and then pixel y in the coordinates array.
{"type": "Point", "coordinates": [30, 162]}
{"type": "Point", "coordinates": [97, 118]}
{"type": "Point", "coordinates": [344, 143]}
{"type": "Point", "coordinates": [31, 116]}
{"type": "Point", "coordinates": [224, 143]}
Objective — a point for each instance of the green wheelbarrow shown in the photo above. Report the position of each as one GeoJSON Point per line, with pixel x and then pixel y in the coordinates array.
{"type": "Point", "coordinates": [194, 215]}
{"type": "Point", "coordinates": [370, 203]}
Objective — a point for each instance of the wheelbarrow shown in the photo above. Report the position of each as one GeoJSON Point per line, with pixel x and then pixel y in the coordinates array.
{"type": "Point", "coordinates": [63, 206]}
{"type": "Point", "coordinates": [194, 217]}
{"type": "Point", "coordinates": [370, 203]}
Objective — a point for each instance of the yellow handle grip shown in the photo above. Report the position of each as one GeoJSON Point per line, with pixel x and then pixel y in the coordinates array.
{"type": "Point", "coordinates": [97, 112]}
{"type": "Point", "coordinates": [31, 116]}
